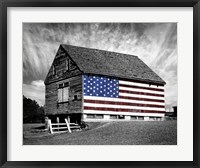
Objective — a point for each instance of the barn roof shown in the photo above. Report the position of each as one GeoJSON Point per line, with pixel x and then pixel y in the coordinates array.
{"type": "Point", "coordinates": [94, 61]}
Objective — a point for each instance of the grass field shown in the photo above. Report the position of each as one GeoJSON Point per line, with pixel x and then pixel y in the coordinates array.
{"type": "Point", "coordinates": [107, 133]}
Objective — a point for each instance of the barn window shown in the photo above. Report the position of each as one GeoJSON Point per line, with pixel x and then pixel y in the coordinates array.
{"type": "Point", "coordinates": [60, 85]}
{"type": "Point", "coordinates": [75, 97]}
{"type": "Point", "coordinates": [54, 70]}
{"type": "Point", "coordinates": [66, 65]}
{"type": "Point", "coordinates": [66, 84]}
{"type": "Point", "coordinates": [63, 92]}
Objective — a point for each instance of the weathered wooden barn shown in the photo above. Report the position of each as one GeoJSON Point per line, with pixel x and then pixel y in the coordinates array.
{"type": "Point", "coordinates": [90, 84]}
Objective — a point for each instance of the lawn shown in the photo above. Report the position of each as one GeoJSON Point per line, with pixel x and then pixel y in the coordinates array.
{"type": "Point", "coordinates": [107, 133]}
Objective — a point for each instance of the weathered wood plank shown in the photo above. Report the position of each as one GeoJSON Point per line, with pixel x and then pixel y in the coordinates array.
{"type": "Point", "coordinates": [52, 105]}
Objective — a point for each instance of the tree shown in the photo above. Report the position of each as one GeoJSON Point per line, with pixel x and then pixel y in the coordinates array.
{"type": "Point", "coordinates": [32, 112]}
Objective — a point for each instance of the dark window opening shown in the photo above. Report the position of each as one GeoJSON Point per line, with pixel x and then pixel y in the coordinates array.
{"type": "Point", "coordinates": [121, 117]}
{"type": "Point", "coordinates": [60, 85]}
{"type": "Point", "coordinates": [75, 97]}
{"type": "Point", "coordinates": [66, 84]}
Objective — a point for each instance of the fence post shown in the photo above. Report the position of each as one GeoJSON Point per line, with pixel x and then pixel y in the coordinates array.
{"type": "Point", "coordinates": [50, 126]}
{"type": "Point", "coordinates": [68, 126]}
{"type": "Point", "coordinates": [46, 123]}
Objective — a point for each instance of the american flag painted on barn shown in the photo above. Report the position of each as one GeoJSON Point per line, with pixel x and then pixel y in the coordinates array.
{"type": "Point", "coordinates": [107, 95]}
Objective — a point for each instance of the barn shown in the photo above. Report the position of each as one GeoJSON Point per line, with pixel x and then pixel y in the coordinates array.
{"type": "Point", "coordinates": [96, 85]}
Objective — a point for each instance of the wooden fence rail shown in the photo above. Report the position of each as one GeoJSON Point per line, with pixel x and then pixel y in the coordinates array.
{"type": "Point", "coordinates": [64, 126]}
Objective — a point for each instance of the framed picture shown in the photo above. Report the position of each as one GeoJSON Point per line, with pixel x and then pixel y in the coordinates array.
{"type": "Point", "coordinates": [99, 83]}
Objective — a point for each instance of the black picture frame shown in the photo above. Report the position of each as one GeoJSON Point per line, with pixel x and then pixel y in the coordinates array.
{"type": "Point", "coordinates": [4, 4]}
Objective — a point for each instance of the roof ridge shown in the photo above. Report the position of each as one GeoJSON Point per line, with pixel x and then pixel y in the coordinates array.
{"type": "Point", "coordinates": [99, 50]}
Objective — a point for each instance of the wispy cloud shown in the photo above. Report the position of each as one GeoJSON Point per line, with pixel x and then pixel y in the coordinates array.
{"type": "Point", "coordinates": [154, 43]}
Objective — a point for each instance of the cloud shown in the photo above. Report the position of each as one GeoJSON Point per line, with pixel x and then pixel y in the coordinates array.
{"type": "Point", "coordinates": [154, 43]}
{"type": "Point", "coordinates": [35, 91]}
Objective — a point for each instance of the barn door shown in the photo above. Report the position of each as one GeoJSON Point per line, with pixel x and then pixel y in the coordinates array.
{"type": "Point", "coordinates": [66, 94]}
{"type": "Point", "coordinates": [60, 95]}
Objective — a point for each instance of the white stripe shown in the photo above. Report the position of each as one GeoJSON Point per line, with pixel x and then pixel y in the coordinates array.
{"type": "Point", "coordinates": [123, 113]}
{"type": "Point", "coordinates": [121, 100]}
{"type": "Point", "coordinates": [141, 90]}
{"type": "Point", "coordinates": [140, 84]}
{"type": "Point", "coordinates": [122, 106]}
{"type": "Point", "coordinates": [141, 96]}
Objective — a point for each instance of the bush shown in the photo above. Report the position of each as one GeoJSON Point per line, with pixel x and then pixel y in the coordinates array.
{"type": "Point", "coordinates": [32, 112]}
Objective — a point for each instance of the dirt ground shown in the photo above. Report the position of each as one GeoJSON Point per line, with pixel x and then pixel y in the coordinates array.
{"type": "Point", "coordinates": [106, 133]}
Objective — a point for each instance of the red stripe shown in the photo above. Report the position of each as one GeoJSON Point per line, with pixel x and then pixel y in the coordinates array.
{"type": "Point", "coordinates": [121, 110]}
{"type": "Point", "coordinates": [122, 103]}
{"type": "Point", "coordinates": [143, 82]}
{"type": "Point", "coordinates": [140, 87]}
{"type": "Point", "coordinates": [141, 99]}
{"type": "Point", "coordinates": [140, 93]}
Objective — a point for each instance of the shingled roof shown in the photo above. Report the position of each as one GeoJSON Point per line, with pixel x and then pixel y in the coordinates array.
{"type": "Point", "coordinates": [94, 61]}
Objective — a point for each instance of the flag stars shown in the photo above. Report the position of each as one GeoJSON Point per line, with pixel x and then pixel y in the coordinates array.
{"type": "Point", "coordinates": [100, 86]}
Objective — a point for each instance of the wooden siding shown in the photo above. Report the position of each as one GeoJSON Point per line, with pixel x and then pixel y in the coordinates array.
{"type": "Point", "coordinates": [63, 70]}
{"type": "Point", "coordinates": [53, 107]}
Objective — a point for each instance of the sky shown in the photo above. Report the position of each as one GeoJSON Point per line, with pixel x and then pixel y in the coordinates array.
{"type": "Point", "coordinates": [153, 43]}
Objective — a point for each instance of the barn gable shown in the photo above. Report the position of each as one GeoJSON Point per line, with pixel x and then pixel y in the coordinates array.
{"type": "Point", "coordinates": [62, 67]}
